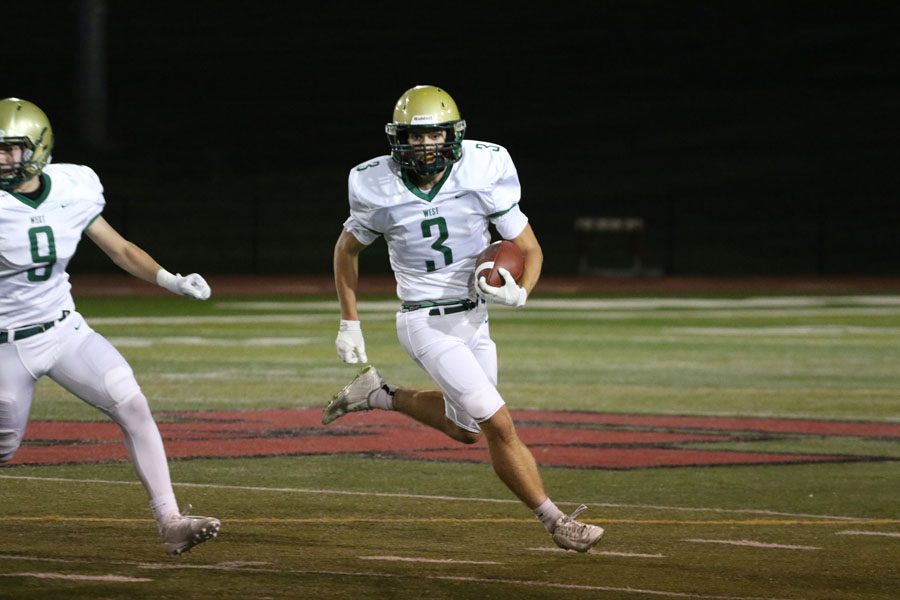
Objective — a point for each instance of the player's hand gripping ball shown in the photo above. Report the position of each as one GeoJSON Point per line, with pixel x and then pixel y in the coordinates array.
{"type": "Point", "coordinates": [501, 262]}
{"type": "Point", "coordinates": [503, 254]}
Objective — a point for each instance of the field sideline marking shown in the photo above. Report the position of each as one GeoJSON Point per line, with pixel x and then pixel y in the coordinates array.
{"type": "Point", "coordinates": [430, 560]}
{"type": "Point", "coordinates": [146, 342]}
{"type": "Point", "coordinates": [823, 519]}
{"type": "Point", "coordinates": [636, 303]}
{"type": "Point", "coordinates": [603, 552]}
{"type": "Point", "coordinates": [104, 578]}
{"type": "Point", "coordinates": [545, 313]}
{"type": "Point", "coordinates": [531, 583]}
{"type": "Point", "coordinates": [752, 544]}
{"type": "Point", "coordinates": [879, 533]}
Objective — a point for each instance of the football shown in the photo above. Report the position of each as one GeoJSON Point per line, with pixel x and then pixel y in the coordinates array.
{"type": "Point", "coordinates": [499, 254]}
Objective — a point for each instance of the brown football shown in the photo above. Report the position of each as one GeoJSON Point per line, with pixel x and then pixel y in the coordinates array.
{"type": "Point", "coordinates": [499, 254]}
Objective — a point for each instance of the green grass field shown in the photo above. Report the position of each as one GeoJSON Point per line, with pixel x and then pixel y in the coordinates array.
{"type": "Point", "coordinates": [370, 525]}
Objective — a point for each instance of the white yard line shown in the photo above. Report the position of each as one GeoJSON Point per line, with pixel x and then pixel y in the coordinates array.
{"type": "Point", "coordinates": [605, 304]}
{"type": "Point", "coordinates": [71, 577]}
{"type": "Point", "coordinates": [429, 560]}
{"type": "Point", "coordinates": [819, 330]}
{"type": "Point", "coordinates": [212, 319]}
{"type": "Point", "coordinates": [585, 308]}
{"type": "Point", "coordinates": [668, 315]}
{"type": "Point", "coordinates": [144, 342]}
{"type": "Point", "coordinates": [752, 544]}
{"type": "Point", "coordinates": [603, 552]}
{"type": "Point", "coordinates": [629, 554]}
{"type": "Point", "coordinates": [750, 511]}
{"type": "Point", "coordinates": [876, 533]}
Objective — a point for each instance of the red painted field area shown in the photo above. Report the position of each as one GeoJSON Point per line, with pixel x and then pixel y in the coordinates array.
{"type": "Point", "coordinates": [557, 438]}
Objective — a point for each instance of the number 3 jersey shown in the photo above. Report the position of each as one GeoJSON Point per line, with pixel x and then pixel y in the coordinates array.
{"type": "Point", "coordinates": [434, 237]}
{"type": "Point", "coordinates": [38, 238]}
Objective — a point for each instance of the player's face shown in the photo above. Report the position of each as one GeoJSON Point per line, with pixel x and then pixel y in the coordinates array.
{"type": "Point", "coordinates": [427, 142]}
{"type": "Point", "coordinates": [10, 159]}
{"type": "Point", "coordinates": [11, 167]}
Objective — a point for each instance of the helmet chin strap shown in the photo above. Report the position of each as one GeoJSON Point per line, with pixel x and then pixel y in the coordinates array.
{"type": "Point", "coordinates": [9, 184]}
{"type": "Point", "coordinates": [18, 180]}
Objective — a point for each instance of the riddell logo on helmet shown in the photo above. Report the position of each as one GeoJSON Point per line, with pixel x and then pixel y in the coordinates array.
{"type": "Point", "coordinates": [423, 119]}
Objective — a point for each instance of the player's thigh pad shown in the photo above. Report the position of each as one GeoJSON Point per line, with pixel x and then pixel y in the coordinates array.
{"type": "Point", "coordinates": [483, 347]}
{"type": "Point", "coordinates": [12, 426]}
{"type": "Point", "coordinates": [16, 391]}
{"type": "Point", "coordinates": [92, 369]}
{"type": "Point", "coordinates": [440, 345]}
{"type": "Point", "coordinates": [9, 443]}
{"type": "Point", "coordinates": [10, 437]}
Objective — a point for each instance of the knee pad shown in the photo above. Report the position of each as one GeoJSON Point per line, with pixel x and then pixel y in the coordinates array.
{"type": "Point", "coordinates": [120, 384]}
{"type": "Point", "coordinates": [9, 443]}
{"type": "Point", "coordinates": [133, 414]}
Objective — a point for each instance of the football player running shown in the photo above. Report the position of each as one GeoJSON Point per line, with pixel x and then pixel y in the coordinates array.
{"type": "Point", "coordinates": [44, 208]}
{"type": "Point", "coordinates": [433, 200]}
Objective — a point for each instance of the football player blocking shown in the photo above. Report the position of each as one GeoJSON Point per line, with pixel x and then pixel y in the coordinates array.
{"type": "Point", "coordinates": [44, 208]}
{"type": "Point", "coordinates": [432, 199]}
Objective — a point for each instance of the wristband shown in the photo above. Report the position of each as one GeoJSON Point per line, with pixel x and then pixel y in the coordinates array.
{"type": "Point", "coordinates": [166, 280]}
{"type": "Point", "coordinates": [350, 325]}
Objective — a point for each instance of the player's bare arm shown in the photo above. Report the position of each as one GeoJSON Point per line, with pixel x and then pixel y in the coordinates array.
{"type": "Point", "coordinates": [125, 254]}
{"type": "Point", "coordinates": [351, 347]}
{"type": "Point", "coordinates": [137, 262]}
{"type": "Point", "coordinates": [346, 273]}
{"type": "Point", "coordinates": [534, 258]}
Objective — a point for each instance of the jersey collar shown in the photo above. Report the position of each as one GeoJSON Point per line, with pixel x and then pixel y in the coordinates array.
{"type": "Point", "coordinates": [45, 191]}
{"type": "Point", "coordinates": [430, 194]}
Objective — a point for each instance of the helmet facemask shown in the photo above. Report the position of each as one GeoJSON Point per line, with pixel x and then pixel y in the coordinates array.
{"type": "Point", "coordinates": [425, 159]}
{"type": "Point", "coordinates": [12, 175]}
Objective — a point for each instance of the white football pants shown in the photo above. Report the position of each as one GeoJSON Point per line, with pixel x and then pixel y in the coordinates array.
{"type": "Point", "coordinates": [457, 351]}
{"type": "Point", "coordinates": [86, 364]}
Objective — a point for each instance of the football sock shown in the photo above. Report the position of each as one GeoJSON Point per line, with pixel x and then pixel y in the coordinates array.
{"type": "Point", "coordinates": [549, 514]}
{"type": "Point", "coordinates": [163, 508]}
{"type": "Point", "coordinates": [383, 397]}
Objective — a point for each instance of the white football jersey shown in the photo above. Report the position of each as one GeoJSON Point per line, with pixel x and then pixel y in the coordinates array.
{"type": "Point", "coordinates": [434, 237]}
{"type": "Point", "coordinates": [37, 240]}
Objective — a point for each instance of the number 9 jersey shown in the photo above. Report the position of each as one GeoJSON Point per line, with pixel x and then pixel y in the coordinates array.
{"type": "Point", "coordinates": [434, 237]}
{"type": "Point", "coordinates": [38, 237]}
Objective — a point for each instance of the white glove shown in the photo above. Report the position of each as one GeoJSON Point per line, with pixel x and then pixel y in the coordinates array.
{"type": "Point", "coordinates": [193, 285]}
{"type": "Point", "coordinates": [509, 293]}
{"type": "Point", "coordinates": [351, 348]}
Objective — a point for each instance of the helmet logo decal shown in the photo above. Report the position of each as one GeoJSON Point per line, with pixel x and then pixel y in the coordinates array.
{"type": "Point", "coordinates": [420, 119]}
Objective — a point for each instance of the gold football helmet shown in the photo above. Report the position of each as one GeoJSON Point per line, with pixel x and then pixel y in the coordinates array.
{"type": "Point", "coordinates": [24, 124]}
{"type": "Point", "coordinates": [425, 107]}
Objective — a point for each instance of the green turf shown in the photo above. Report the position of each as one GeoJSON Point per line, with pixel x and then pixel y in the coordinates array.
{"type": "Point", "coordinates": [308, 526]}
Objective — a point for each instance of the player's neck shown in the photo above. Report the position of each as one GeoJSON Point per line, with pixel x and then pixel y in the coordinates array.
{"type": "Point", "coordinates": [426, 182]}
{"type": "Point", "coordinates": [29, 185]}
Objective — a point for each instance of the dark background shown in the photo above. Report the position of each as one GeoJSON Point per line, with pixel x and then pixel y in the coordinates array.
{"type": "Point", "coordinates": [752, 138]}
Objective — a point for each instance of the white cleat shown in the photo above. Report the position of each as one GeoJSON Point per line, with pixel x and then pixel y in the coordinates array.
{"type": "Point", "coordinates": [355, 396]}
{"type": "Point", "coordinates": [182, 532]}
{"type": "Point", "coordinates": [570, 534]}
